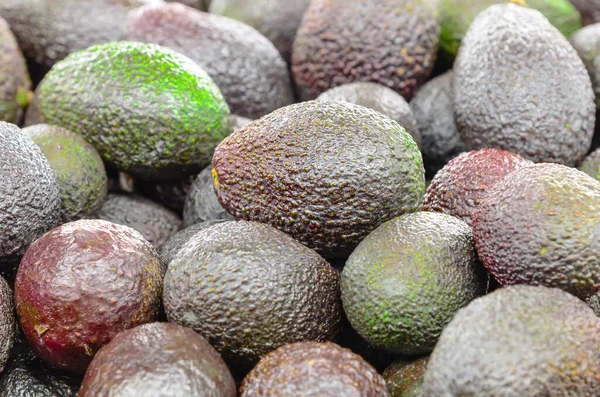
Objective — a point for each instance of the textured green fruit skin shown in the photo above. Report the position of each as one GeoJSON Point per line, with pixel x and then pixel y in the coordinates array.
{"type": "Point", "coordinates": [405, 378]}
{"type": "Point", "coordinates": [148, 110]}
{"type": "Point", "coordinates": [325, 172]}
{"type": "Point", "coordinates": [457, 16]}
{"type": "Point", "coordinates": [408, 278]}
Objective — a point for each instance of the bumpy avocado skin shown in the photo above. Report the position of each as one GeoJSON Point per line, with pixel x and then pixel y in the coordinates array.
{"type": "Point", "coordinates": [7, 322]}
{"type": "Point", "coordinates": [249, 288]}
{"type": "Point", "coordinates": [377, 97]}
{"type": "Point", "coordinates": [158, 360]}
{"type": "Point", "coordinates": [432, 108]}
{"type": "Point", "coordinates": [201, 203]}
{"type": "Point", "coordinates": [587, 43]}
{"type": "Point", "coordinates": [539, 225]}
{"type": "Point", "coordinates": [29, 193]}
{"type": "Point", "coordinates": [518, 341]}
{"type": "Point", "coordinates": [148, 110]}
{"type": "Point", "coordinates": [407, 279]}
{"type": "Point", "coordinates": [244, 64]}
{"type": "Point", "coordinates": [390, 42]}
{"type": "Point", "coordinates": [591, 165]}
{"type": "Point", "coordinates": [502, 97]}
{"type": "Point", "coordinates": [325, 172]}
{"type": "Point", "coordinates": [459, 187]}
{"type": "Point", "coordinates": [77, 167]}
{"type": "Point", "coordinates": [169, 249]}
{"type": "Point", "coordinates": [405, 378]}
{"type": "Point", "coordinates": [313, 369]}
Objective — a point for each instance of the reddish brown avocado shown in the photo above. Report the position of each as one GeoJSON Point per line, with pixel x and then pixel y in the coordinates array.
{"type": "Point", "coordinates": [81, 284]}
{"type": "Point", "coordinates": [405, 378]}
{"type": "Point", "coordinates": [390, 42]}
{"type": "Point", "coordinates": [458, 188]}
{"type": "Point", "coordinates": [313, 369]}
{"type": "Point", "coordinates": [158, 360]}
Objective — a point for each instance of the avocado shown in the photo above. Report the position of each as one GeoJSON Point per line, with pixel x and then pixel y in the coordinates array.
{"type": "Point", "coordinates": [155, 222]}
{"type": "Point", "coordinates": [377, 97]}
{"type": "Point", "coordinates": [81, 284]}
{"type": "Point", "coordinates": [406, 280]}
{"type": "Point", "coordinates": [589, 9]}
{"type": "Point", "coordinates": [390, 42]}
{"type": "Point", "coordinates": [7, 322]}
{"type": "Point", "coordinates": [170, 194]}
{"type": "Point", "coordinates": [405, 378]}
{"type": "Point", "coordinates": [432, 109]}
{"type": "Point", "coordinates": [158, 359]}
{"type": "Point", "coordinates": [587, 43]}
{"type": "Point", "coordinates": [520, 86]}
{"type": "Point", "coordinates": [461, 185]}
{"type": "Point", "coordinates": [115, 96]}
{"type": "Point", "coordinates": [248, 288]}
{"type": "Point", "coordinates": [77, 167]}
{"type": "Point", "coordinates": [14, 90]}
{"type": "Point", "coordinates": [29, 193]}
{"type": "Point", "coordinates": [325, 172]}
{"type": "Point", "coordinates": [591, 164]}
{"type": "Point", "coordinates": [521, 341]}
{"type": "Point", "coordinates": [172, 245]}
{"type": "Point", "coordinates": [313, 369]}
{"type": "Point", "coordinates": [539, 225]}
{"type": "Point", "coordinates": [277, 20]}
{"type": "Point", "coordinates": [201, 203]}
{"type": "Point", "coordinates": [244, 64]}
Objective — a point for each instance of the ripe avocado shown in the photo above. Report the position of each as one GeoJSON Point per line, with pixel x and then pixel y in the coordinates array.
{"type": "Point", "coordinates": [29, 193]}
{"type": "Point", "coordinates": [377, 97]}
{"type": "Point", "coordinates": [407, 279]}
{"type": "Point", "coordinates": [115, 96]}
{"type": "Point", "coordinates": [201, 203]}
{"type": "Point", "coordinates": [539, 225]}
{"type": "Point", "coordinates": [313, 369]}
{"type": "Point", "coordinates": [520, 86]}
{"type": "Point", "coordinates": [155, 222]}
{"type": "Point", "coordinates": [325, 172]}
{"type": "Point", "coordinates": [390, 42]}
{"type": "Point", "coordinates": [77, 167]}
{"type": "Point", "coordinates": [249, 288]}
{"type": "Point", "coordinates": [7, 322]}
{"type": "Point", "coordinates": [461, 185]}
{"type": "Point", "coordinates": [587, 43]}
{"type": "Point", "coordinates": [521, 341]}
{"type": "Point", "coordinates": [405, 378]}
{"type": "Point", "coordinates": [244, 64]}
{"type": "Point", "coordinates": [158, 360]}
{"type": "Point", "coordinates": [81, 284]}
{"type": "Point", "coordinates": [172, 245]}
{"type": "Point", "coordinates": [591, 164]}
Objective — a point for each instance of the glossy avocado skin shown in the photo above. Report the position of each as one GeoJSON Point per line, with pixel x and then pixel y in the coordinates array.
{"type": "Point", "coordinates": [405, 378]}
{"type": "Point", "coordinates": [325, 172]}
{"type": "Point", "coordinates": [14, 77]}
{"type": "Point", "coordinates": [110, 94]}
{"type": "Point", "coordinates": [158, 360]}
{"type": "Point", "coordinates": [313, 369]}
{"type": "Point", "coordinates": [538, 225]}
{"type": "Point", "coordinates": [591, 164]}
{"type": "Point", "coordinates": [543, 339]}
{"type": "Point", "coordinates": [171, 246]}
{"type": "Point", "coordinates": [587, 43]}
{"type": "Point", "coordinates": [201, 203]}
{"type": "Point", "coordinates": [521, 112]}
{"type": "Point", "coordinates": [244, 64]}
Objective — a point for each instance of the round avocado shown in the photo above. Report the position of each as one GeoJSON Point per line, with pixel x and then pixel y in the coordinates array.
{"type": "Point", "coordinates": [313, 369]}
{"type": "Point", "coordinates": [591, 164]}
{"type": "Point", "coordinates": [249, 288]}
{"type": "Point", "coordinates": [586, 42]}
{"type": "Point", "coordinates": [521, 341]}
{"type": "Point", "coordinates": [539, 225]}
{"type": "Point", "coordinates": [78, 169]}
{"type": "Point", "coordinates": [81, 284]}
{"type": "Point", "coordinates": [405, 378]}
{"type": "Point", "coordinates": [201, 203]}
{"type": "Point", "coordinates": [408, 278]}
{"type": "Point", "coordinates": [7, 322]}
{"type": "Point", "coordinates": [325, 172]}
{"type": "Point", "coordinates": [158, 360]}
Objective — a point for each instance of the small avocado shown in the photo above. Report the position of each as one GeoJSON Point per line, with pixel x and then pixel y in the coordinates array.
{"type": "Point", "coordinates": [407, 279]}
{"type": "Point", "coordinates": [539, 225]}
{"type": "Point", "coordinates": [169, 249]}
{"type": "Point", "coordinates": [313, 369]}
{"type": "Point", "coordinates": [377, 97]}
{"type": "Point", "coordinates": [77, 167]}
{"type": "Point", "coordinates": [7, 322]}
{"type": "Point", "coordinates": [29, 193]}
{"type": "Point", "coordinates": [81, 284]}
{"type": "Point", "coordinates": [520, 86]}
{"type": "Point", "coordinates": [249, 288]}
{"type": "Point", "coordinates": [587, 43]}
{"type": "Point", "coordinates": [390, 42]}
{"type": "Point", "coordinates": [461, 185]}
{"type": "Point", "coordinates": [591, 164]}
{"type": "Point", "coordinates": [589, 9]}
{"type": "Point", "coordinates": [244, 64]}
{"type": "Point", "coordinates": [201, 203]}
{"type": "Point", "coordinates": [155, 222]}
{"type": "Point", "coordinates": [325, 172]}
{"type": "Point", "coordinates": [405, 378]}
{"type": "Point", "coordinates": [432, 108]}
{"type": "Point", "coordinates": [158, 360]}
{"type": "Point", "coordinates": [115, 96]}
{"type": "Point", "coordinates": [524, 341]}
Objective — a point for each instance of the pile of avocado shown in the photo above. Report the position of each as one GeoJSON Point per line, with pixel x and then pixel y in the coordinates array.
{"type": "Point", "coordinates": [280, 198]}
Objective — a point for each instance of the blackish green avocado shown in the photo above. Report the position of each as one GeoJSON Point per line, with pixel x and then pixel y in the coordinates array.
{"type": "Point", "coordinates": [7, 322]}
{"type": "Point", "coordinates": [169, 249]}
{"type": "Point", "coordinates": [201, 203]}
